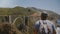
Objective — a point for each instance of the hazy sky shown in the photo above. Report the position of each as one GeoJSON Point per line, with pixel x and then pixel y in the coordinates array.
{"type": "Point", "coordinates": [53, 5]}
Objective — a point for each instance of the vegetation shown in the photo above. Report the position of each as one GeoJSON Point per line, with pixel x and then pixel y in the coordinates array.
{"type": "Point", "coordinates": [16, 11]}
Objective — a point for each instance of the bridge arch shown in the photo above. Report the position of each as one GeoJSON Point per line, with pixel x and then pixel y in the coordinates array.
{"type": "Point", "coordinates": [16, 19]}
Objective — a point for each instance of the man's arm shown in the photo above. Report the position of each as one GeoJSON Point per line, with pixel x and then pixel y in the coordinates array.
{"type": "Point", "coordinates": [54, 30]}
{"type": "Point", "coordinates": [36, 27]}
{"type": "Point", "coordinates": [35, 31]}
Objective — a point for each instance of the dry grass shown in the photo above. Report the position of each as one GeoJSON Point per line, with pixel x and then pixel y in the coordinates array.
{"type": "Point", "coordinates": [6, 28]}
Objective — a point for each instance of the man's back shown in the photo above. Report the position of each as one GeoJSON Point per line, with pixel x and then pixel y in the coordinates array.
{"type": "Point", "coordinates": [44, 26]}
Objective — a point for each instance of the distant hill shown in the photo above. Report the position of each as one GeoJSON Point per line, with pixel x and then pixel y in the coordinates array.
{"type": "Point", "coordinates": [25, 11]}
{"type": "Point", "coordinates": [51, 13]}
{"type": "Point", "coordinates": [15, 11]}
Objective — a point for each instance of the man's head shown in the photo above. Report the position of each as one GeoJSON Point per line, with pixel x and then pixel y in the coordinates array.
{"type": "Point", "coordinates": [44, 16]}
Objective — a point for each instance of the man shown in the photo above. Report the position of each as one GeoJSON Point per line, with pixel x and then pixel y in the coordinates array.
{"type": "Point", "coordinates": [44, 26]}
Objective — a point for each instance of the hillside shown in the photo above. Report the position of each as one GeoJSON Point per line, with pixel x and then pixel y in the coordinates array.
{"type": "Point", "coordinates": [28, 11]}
{"type": "Point", "coordinates": [51, 13]}
{"type": "Point", "coordinates": [23, 11]}
{"type": "Point", "coordinates": [15, 11]}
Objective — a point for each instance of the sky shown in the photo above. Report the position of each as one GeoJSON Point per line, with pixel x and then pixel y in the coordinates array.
{"type": "Point", "coordinates": [53, 5]}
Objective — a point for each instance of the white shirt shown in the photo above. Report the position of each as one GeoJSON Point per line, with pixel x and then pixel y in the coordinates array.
{"type": "Point", "coordinates": [49, 23]}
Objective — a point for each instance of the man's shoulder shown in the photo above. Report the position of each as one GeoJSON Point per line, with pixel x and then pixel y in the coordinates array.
{"type": "Point", "coordinates": [49, 22]}
{"type": "Point", "coordinates": [37, 22]}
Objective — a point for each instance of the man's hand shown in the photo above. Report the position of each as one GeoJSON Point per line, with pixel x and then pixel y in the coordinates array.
{"type": "Point", "coordinates": [54, 32]}
{"type": "Point", "coordinates": [35, 31]}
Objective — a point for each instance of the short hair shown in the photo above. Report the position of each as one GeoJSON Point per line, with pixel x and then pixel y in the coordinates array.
{"type": "Point", "coordinates": [44, 15]}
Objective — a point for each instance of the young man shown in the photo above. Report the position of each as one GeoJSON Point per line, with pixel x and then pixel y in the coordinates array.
{"type": "Point", "coordinates": [44, 26]}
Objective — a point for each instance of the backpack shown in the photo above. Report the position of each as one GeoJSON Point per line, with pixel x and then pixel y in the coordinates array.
{"type": "Point", "coordinates": [44, 28]}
